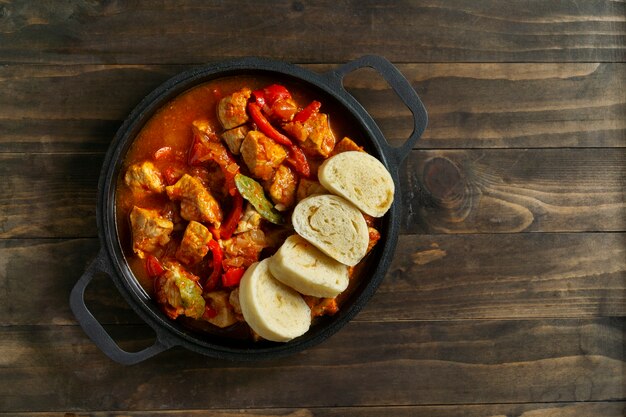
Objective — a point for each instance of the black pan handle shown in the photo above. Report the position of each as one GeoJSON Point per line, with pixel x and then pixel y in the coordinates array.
{"type": "Point", "coordinates": [94, 329]}
{"type": "Point", "coordinates": [402, 88]}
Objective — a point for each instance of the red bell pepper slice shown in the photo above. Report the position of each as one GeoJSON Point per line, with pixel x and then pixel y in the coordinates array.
{"type": "Point", "coordinates": [218, 256]}
{"type": "Point", "coordinates": [229, 226]}
{"type": "Point", "coordinates": [298, 161]}
{"type": "Point", "coordinates": [270, 94]}
{"type": "Point", "coordinates": [296, 155]}
{"type": "Point", "coordinates": [172, 174]}
{"type": "Point", "coordinates": [232, 276]}
{"type": "Point", "coordinates": [196, 152]}
{"type": "Point", "coordinates": [215, 232]}
{"type": "Point", "coordinates": [275, 92]}
{"type": "Point", "coordinates": [209, 312]}
{"type": "Point", "coordinates": [259, 97]}
{"type": "Point", "coordinates": [153, 266]}
{"type": "Point", "coordinates": [264, 125]}
{"type": "Point", "coordinates": [275, 102]}
{"type": "Point", "coordinates": [304, 114]}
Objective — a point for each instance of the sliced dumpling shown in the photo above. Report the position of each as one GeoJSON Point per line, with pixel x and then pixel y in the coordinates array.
{"type": "Point", "coordinates": [306, 269]}
{"type": "Point", "coordinates": [273, 310]}
{"type": "Point", "coordinates": [361, 179]}
{"type": "Point", "coordinates": [334, 226]}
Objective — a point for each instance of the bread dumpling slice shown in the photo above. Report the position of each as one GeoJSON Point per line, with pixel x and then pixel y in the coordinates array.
{"type": "Point", "coordinates": [273, 310]}
{"type": "Point", "coordinates": [361, 179]}
{"type": "Point", "coordinates": [306, 269]}
{"type": "Point", "coordinates": [334, 226]}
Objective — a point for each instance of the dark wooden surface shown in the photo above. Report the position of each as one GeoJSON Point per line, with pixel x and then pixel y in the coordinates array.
{"type": "Point", "coordinates": [507, 293]}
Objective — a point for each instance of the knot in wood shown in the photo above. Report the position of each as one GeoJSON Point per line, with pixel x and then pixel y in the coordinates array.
{"type": "Point", "coordinates": [448, 186]}
{"type": "Point", "coordinates": [443, 179]}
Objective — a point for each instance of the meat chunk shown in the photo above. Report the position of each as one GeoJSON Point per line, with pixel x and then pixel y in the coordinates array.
{"type": "Point", "coordinates": [144, 177]}
{"type": "Point", "coordinates": [262, 155]}
{"type": "Point", "coordinates": [204, 126]}
{"type": "Point", "coordinates": [169, 210]}
{"type": "Point", "coordinates": [314, 134]}
{"type": "Point", "coordinates": [212, 177]}
{"type": "Point", "coordinates": [194, 247]}
{"type": "Point", "coordinates": [231, 110]}
{"type": "Point", "coordinates": [250, 220]}
{"type": "Point", "coordinates": [208, 147]}
{"type": "Point", "coordinates": [233, 299]}
{"type": "Point", "coordinates": [222, 313]}
{"type": "Point", "coordinates": [321, 306]}
{"type": "Point", "coordinates": [150, 231]}
{"type": "Point", "coordinates": [307, 188]}
{"type": "Point", "coordinates": [282, 110]}
{"type": "Point", "coordinates": [282, 188]}
{"type": "Point", "coordinates": [346, 144]}
{"type": "Point", "coordinates": [234, 138]}
{"type": "Point", "coordinates": [244, 249]}
{"type": "Point", "coordinates": [178, 293]}
{"type": "Point", "coordinates": [196, 202]}
{"type": "Point", "coordinates": [374, 237]}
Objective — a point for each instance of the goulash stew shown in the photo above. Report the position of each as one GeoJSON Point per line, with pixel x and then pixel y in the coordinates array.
{"type": "Point", "coordinates": [208, 187]}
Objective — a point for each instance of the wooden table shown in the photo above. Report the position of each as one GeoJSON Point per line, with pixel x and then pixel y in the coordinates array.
{"type": "Point", "coordinates": [507, 294]}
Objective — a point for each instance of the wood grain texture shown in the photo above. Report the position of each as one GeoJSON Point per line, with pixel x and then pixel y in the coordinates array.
{"type": "Point", "coordinates": [604, 409]}
{"type": "Point", "coordinates": [504, 105]}
{"type": "Point", "coordinates": [507, 293]}
{"type": "Point", "coordinates": [432, 277]}
{"type": "Point", "coordinates": [494, 191]}
{"type": "Point", "coordinates": [469, 105]}
{"type": "Point", "coordinates": [425, 31]}
{"type": "Point", "coordinates": [442, 277]}
{"type": "Point", "coordinates": [489, 191]}
{"type": "Point", "coordinates": [424, 363]}
{"type": "Point", "coordinates": [48, 195]}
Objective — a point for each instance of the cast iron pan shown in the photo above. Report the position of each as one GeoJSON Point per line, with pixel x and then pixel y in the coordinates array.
{"type": "Point", "coordinates": [111, 261]}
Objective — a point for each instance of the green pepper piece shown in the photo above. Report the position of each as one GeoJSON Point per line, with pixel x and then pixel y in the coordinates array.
{"type": "Point", "coordinates": [191, 297]}
{"type": "Point", "coordinates": [253, 192]}
{"type": "Point", "coordinates": [182, 291]}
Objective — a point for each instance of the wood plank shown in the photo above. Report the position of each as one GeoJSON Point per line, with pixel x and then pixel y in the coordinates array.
{"type": "Point", "coordinates": [469, 105]}
{"type": "Point", "coordinates": [189, 31]}
{"type": "Point", "coordinates": [504, 105]}
{"type": "Point", "coordinates": [48, 195]}
{"type": "Point", "coordinates": [424, 363]}
{"type": "Point", "coordinates": [605, 409]}
{"type": "Point", "coordinates": [60, 263]}
{"type": "Point", "coordinates": [494, 191]}
{"type": "Point", "coordinates": [33, 121]}
{"type": "Point", "coordinates": [442, 277]}
{"type": "Point", "coordinates": [432, 277]}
